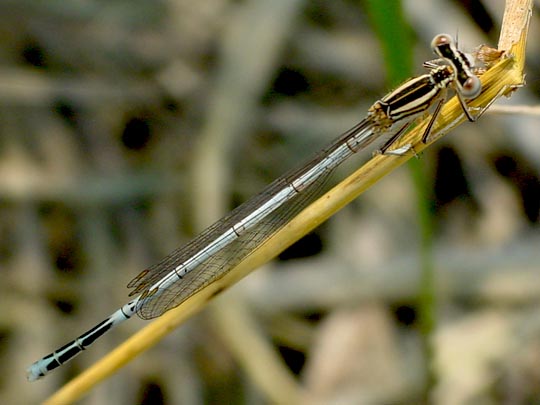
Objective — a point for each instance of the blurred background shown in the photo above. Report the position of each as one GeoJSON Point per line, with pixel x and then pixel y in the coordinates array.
{"type": "Point", "coordinates": [126, 127]}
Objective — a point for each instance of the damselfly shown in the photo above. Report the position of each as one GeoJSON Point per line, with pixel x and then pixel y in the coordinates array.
{"type": "Point", "coordinates": [219, 248]}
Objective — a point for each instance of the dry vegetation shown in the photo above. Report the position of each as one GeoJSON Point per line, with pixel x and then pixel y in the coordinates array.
{"type": "Point", "coordinates": [112, 116]}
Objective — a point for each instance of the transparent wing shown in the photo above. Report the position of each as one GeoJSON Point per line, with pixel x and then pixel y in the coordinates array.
{"type": "Point", "coordinates": [218, 264]}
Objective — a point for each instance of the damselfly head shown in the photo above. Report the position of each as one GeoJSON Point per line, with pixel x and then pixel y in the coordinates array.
{"type": "Point", "coordinates": [441, 40]}
{"type": "Point", "coordinates": [471, 88]}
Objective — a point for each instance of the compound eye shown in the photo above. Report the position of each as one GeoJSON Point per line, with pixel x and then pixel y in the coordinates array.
{"type": "Point", "coordinates": [440, 40]}
{"type": "Point", "coordinates": [472, 87]}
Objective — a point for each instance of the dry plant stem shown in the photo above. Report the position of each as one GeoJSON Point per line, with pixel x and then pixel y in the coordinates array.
{"type": "Point", "coordinates": [500, 79]}
{"type": "Point", "coordinates": [515, 109]}
{"type": "Point", "coordinates": [514, 29]}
